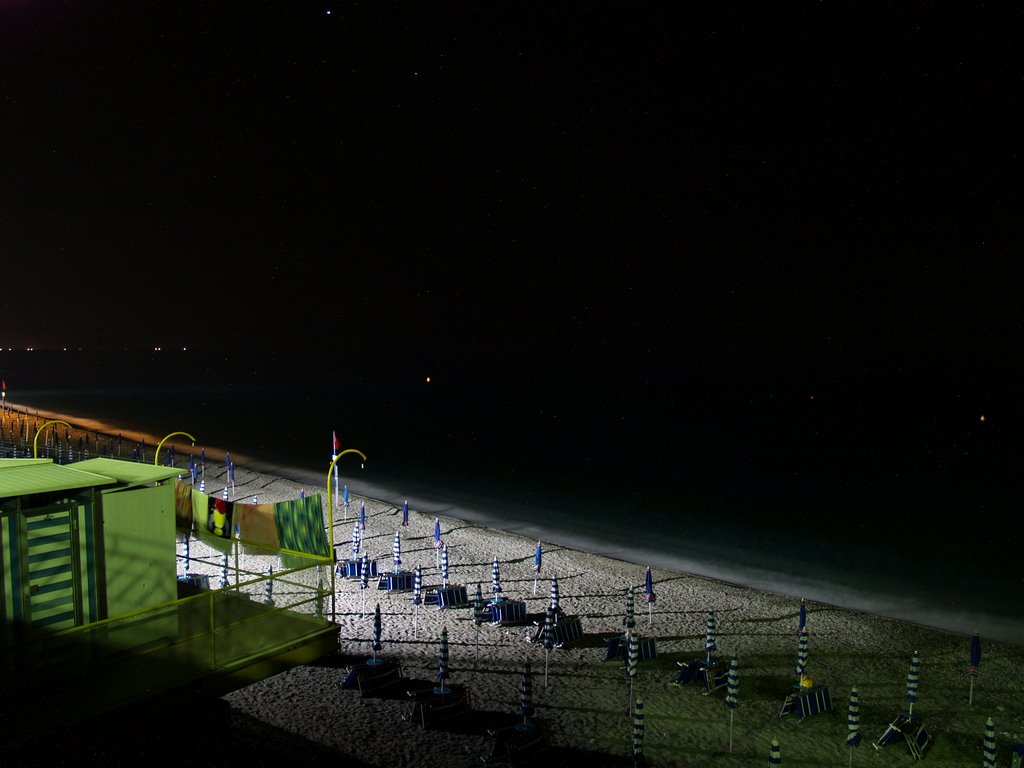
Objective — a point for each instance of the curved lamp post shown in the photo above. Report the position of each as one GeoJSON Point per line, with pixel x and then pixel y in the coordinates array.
{"type": "Point", "coordinates": [35, 440]}
{"type": "Point", "coordinates": [330, 506]}
{"type": "Point", "coordinates": [156, 458]}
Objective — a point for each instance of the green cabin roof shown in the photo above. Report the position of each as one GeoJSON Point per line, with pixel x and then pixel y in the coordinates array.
{"type": "Point", "coordinates": [21, 477]}
{"type": "Point", "coordinates": [128, 472]}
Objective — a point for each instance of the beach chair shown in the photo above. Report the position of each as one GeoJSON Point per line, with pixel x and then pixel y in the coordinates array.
{"type": "Point", "coordinates": [352, 569]}
{"type": "Point", "coordinates": [508, 612]}
{"type": "Point", "coordinates": [807, 703]}
{"type": "Point", "coordinates": [513, 746]}
{"type": "Point", "coordinates": [715, 676]}
{"type": "Point", "coordinates": [689, 671]}
{"type": "Point", "coordinates": [452, 597]}
{"type": "Point", "coordinates": [396, 581]}
{"type": "Point", "coordinates": [618, 648]}
{"type": "Point", "coordinates": [436, 710]}
{"type": "Point", "coordinates": [379, 680]}
{"type": "Point", "coordinates": [909, 730]}
{"type": "Point", "coordinates": [568, 629]}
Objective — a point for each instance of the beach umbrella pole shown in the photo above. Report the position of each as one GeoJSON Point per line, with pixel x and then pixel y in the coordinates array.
{"type": "Point", "coordinates": [731, 713]}
{"type": "Point", "coordinates": [970, 696]}
{"type": "Point", "coordinates": [546, 652]}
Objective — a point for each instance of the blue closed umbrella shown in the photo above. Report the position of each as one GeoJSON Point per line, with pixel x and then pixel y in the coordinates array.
{"type": "Point", "coordinates": [495, 580]}
{"type": "Point", "coordinates": [649, 596]}
{"type": "Point", "coordinates": [975, 662]}
{"type": "Point", "coordinates": [554, 594]}
{"type": "Point", "coordinates": [437, 540]}
{"type": "Point", "coordinates": [710, 634]}
{"type": "Point", "coordinates": [417, 597]}
{"type": "Point", "coordinates": [774, 754]}
{"type": "Point", "coordinates": [405, 513]}
{"type": "Point", "coordinates": [853, 734]}
{"type": "Point", "coordinates": [632, 663]}
{"type": "Point", "coordinates": [548, 640]}
{"type": "Point", "coordinates": [344, 498]}
{"type": "Point", "coordinates": [525, 699]}
{"type": "Point", "coordinates": [803, 616]}
{"type": "Point", "coordinates": [364, 579]}
{"type": "Point", "coordinates": [912, 673]}
{"type": "Point", "coordinates": [732, 693]}
{"type": "Point", "coordinates": [801, 656]}
{"type": "Point", "coordinates": [988, 746]}
{"type": "Point", "coordinates": [357, 539]}
{"type": "Point", "coordinates": [375, 643]}
{"type": "Point", "coordinates": [444, 566]}
{"type": "Point", "coordinates": [442, 664]}
{"type": "Point", "coordinates": [362, 515]}
{"type": "Point", "coordinates": [628, 621]}
{"type": "Point", "coordinates": [537, 557]}
{"type": "Point", "coordinates": [396, 553]}
{"type": "Point", "coordinates": [638, 733]}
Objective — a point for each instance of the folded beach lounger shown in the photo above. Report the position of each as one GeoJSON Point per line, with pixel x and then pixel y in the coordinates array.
{"type": "Point", "coordinates": [909, 730]}
{"type": "Point", "coordinates": [508, 612]}
{"type": "Point", "coordinates": [618, 648]}
{"type": "Point", "coordinates": [396, 581]}
{"type": "Point", "coordinates": [452, 597]}
{"type": "Point", "coordinates": [567, 630]}
{"type": "Point", "coordinates": [716, 676]}
{"type": "Point", "coordinates": [380, 680]}
{"type": "Point", "coordinates": [513, 746]}
{"type": "Point", "coordinates": [689, 671]}
{"type": "Point", "coordinates": [351, 569]}
{"type": "Point", "coordinates": [805, 703]}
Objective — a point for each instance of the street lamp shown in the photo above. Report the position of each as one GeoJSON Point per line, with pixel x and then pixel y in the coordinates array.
{"type": "Point", "coordinates": [330, 506]}
{"type": "Point", "coordinates": [35, 440]}
{"type": "Point", "coordinates": [156, 458]}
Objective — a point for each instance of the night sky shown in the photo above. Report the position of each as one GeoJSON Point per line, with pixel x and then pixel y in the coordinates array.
{"type": "Point", "coordinates": [802, 218]}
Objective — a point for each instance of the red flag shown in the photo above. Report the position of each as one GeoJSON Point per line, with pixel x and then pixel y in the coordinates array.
{"type": "Point", "coordinates": [337, 445]}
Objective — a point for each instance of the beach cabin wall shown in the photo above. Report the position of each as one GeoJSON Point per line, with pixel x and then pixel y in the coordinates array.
{"type": "Point", "coordinates": [78, 546]}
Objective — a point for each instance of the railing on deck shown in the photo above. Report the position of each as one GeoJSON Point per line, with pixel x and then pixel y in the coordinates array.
{"type": "Point", "coordinates": [211, 634]}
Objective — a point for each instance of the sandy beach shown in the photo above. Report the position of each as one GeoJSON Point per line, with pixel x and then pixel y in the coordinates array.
{"type": "Point", "coordinates": [581, 701]}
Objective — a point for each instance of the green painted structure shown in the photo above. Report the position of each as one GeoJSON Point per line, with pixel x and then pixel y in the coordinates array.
{"type": "Point", "coordinates": [94, 616]}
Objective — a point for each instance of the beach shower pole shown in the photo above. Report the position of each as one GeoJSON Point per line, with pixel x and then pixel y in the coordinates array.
{"type": "Point", "coordinates": [35, 440]}
{"type": "Point", "coordinates": [156, 457]}
{"type": "Point", "coordinates": [330, 508]}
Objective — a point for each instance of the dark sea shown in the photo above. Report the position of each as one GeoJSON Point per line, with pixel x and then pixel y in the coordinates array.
{"type": "Point", "coordinates": [909, 523]}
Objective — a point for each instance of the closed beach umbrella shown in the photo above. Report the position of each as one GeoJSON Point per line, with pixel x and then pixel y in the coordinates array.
{"type": "Point", "coordinates": [437, 540]}
{"type": "Point", "coordinates": [405, 512]}
{"type": "Point", "coordinates": [912, 673]}
{"type": "Point", "coordinates": [444, 566]}
{"type": "Point", "coordinates": [988, 747]}
{"type": "Point", "coordinates": [344, 498]}
{"type": "Point", "coordinates": [442, 664]}
{"type": "Point", "coordinates": [495, 580]}
{"type": "Point", "coordinates": [628, 621]}
{"type": "Point", "coordinates": [479, 613]}
{"type": "Point", "coordinates": [364, 580]}
{"type": "Point", "coordinates": [554, 594]}
{"type": "Point", "coordinates": [774, 754]}
{"type": "Point", "coordinates": [638, 733]}
{"type": "Point", "coordinates": [710, 633]}
{"type": "Point", "coordinates": [853, 734]}
{"type": "Point", "coordinates": [649, 596]}
{"type": "Point", "coordinates": [357, 539]}
{"type": "Point", "coordinates": [548, 640]}
{"type": "Point", "coordinates": [525, 699]}
{"type": "Point", "coordinates": [801, 655]}
{"type": "Point", "coordinates": [632, 663]}
{"type": "Point", "coordinates": [396, 553]}
{"type": "Point", "coordinates": [732, 693]}
{"type": "Point", "coordinates": [417, 597]}
{"type": "Point", "coordinates": [362, 515]}
{"type": "Point", "coordinates": [803, 616]}
{"type": "Point", "coordinates": [975, 662]}
{"type": "Point", "coordinates": [537, 556]}
{"type": "Point", "coordinates": [375, 643]}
